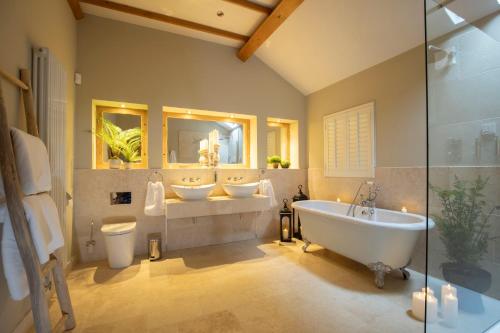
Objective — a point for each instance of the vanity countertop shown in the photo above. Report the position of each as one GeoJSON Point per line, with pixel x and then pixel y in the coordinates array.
{"type": "Point", "coordinates": [217, 205]}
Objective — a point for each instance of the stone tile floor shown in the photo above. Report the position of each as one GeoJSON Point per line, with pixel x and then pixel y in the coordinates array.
{"type": "Point", "coordinates": [249, 286]}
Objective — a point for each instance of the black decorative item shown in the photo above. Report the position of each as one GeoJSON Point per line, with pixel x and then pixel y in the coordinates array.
{"type": "Point", "coordinates": [296, 227]}
{"type": "Point", "coordinates": [285, 223]}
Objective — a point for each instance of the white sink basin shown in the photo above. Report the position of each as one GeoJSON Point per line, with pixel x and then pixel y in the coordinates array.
{"type": "Point", "coordinates": [240, 190]}
{"type": "Point", "coordinates": [193, 192]}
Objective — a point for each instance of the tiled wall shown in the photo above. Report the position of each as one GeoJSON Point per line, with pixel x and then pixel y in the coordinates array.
{"type": "Point", "coordinates": [92, 201]}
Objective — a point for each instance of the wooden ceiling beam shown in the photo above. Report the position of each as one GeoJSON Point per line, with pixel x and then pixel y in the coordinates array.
{"type": "Point", "coordinates": [76, 9]}
{"type": "Point", "coordinates": [252, 5]}
{"type": "Point", "coordinates": [166, 19]}
{"type": "Point", "coordinates": [282, 11]}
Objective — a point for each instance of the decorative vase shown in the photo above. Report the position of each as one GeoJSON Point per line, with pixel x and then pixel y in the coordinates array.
{"type": "Point", "coordinates": [115, 163]}
{"type": "Point", "coordinates": [276, 165]}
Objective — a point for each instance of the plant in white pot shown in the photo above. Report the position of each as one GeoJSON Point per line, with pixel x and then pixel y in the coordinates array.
{"type": "Point", "coordinates": [463, 228]}
{"type": "Point", "coordinates": [122, 144]}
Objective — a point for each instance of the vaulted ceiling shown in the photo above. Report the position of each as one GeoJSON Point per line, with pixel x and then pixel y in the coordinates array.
{"type": "Point", "coordinates": [310, 43]}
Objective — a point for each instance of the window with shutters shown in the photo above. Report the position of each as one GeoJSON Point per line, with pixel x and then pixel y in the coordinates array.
{"type": "Point", "coordinates": [350, 142]}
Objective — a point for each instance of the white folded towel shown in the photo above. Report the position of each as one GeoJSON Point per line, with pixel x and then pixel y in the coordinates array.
{"type": "Point", "coordinates": [32, 162]}
{"type": "Point", "coordinates": [155, 199]}
{"type": "Point", "coordinates": [43, 220]}
{"type": "Point", "coordinates": [266, 188]}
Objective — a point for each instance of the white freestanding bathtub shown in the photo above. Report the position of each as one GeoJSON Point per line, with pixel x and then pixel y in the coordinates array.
{"type": "Point", "coordinates": [383, 242]}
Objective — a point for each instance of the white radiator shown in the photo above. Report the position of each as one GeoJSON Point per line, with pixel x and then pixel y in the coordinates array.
{"type": "Point", "coordinates": [49, 94]}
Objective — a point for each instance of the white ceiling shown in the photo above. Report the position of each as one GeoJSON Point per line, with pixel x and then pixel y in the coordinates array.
{"type": "Point", "coordinates": [323, 41]}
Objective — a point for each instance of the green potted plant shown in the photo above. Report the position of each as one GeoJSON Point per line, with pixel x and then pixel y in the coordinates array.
{"type": "Point", "coordinates": [275, 161]}
{"type": "Point", "coordinates": [285, 164]}
{"type": "Point", "coordinates": [122, 144]}
{"type": "Point", "coordinates": [463, 227]}
{"type": "Point", "coordinates": [110, 134]}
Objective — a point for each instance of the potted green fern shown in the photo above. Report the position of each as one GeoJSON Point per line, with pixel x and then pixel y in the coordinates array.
{"type": "Point", "coordinates": [463, 226]}
{"type": "Point", "coordinates": [122, 144]}
{"type": "Point", "coordinates": [110, 134]}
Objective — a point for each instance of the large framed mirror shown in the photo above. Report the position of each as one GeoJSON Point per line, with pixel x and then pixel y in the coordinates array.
{"type": "Point", "coordinates": [183, 134]}
{"type": "Point", "coordinates": [121, 138]}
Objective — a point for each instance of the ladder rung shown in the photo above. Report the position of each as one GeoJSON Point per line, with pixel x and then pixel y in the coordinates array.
{"type": "Point", "coordinates": [47, 267]}
{"type": "Point", "coordinates": [60, 327]}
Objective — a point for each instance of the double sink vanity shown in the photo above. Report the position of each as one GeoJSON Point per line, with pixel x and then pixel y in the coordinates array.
{"type": "Point", "coordinates": [194, 200]}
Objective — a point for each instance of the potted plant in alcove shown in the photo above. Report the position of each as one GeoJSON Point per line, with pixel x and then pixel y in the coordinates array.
{"type": "Point", "coordinates": [463, 229]}
{"type": "Point", "coordinates": [131, 146]}
{"type": "Point", "coordinates": [275, 161]}
{"type": "Point", "coordinates": [285, 164]}
{"type": "Point", "coordinates": [110, 134]}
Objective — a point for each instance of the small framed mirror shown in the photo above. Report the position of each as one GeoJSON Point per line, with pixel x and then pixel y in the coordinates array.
{"type": "Point", "coordinates": [184, 133]}
{"type": "Point", "coordinates": [121, 138]}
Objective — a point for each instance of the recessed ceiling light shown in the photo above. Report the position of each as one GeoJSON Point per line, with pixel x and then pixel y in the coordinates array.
{"type": "Point", "coordinates": [454, 17]}
{"type": "Point", "coordinates": [220, 13]}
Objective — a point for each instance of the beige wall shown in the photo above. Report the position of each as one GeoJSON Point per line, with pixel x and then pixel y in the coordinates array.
{"type": "Point", "coordinates": [124, 62]}
{"type": "Point", "coordinates": [25, 24]}
{"type": "Point", "coordinates": [398, 88]}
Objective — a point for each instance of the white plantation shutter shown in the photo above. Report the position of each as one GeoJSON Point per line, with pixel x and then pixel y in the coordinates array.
{"type": "Point", "coordinates": [349, 142]}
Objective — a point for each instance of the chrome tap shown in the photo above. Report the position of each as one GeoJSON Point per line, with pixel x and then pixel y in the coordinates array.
{"type": "Point", "coordinates": [234, 179]}
{"type": "Point", "coordinates": [191, 179]}
{"type": "Point", "coordinates": [369, 202]}
{"type": "Point", "coordinates": [352, 208]}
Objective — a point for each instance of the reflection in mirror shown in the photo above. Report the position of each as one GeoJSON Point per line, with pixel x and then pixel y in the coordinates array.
{"type": "Point", "coordinates": [120, 138]}
{"type": "Point", "coordinates": [184, 136]}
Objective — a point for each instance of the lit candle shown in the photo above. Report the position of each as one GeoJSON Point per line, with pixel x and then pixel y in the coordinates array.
{"type": "Point", "coordinates": [338, 199]}
{"type": "Point", "coordinates": [428, 290]}
{"type": "Point", "coordinates": [450, 309]}
{"type": "Point", "coordinates": [404, 210]}
{"type": "Point", "coordinates": [448, 289]}
{"type": "Point", "coordinates": [285, 233]}
{"type": "Point", "coordinates": [418, 306]}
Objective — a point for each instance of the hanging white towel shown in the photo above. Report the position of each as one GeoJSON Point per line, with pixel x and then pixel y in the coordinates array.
{"type": "Point", "coordinates": [266, 188]}
{"type": "Point", "coordinates": [32, 162]}
{"type": "Point", "coordinates": [43, 220]}
{"type": "Point", "coordinates": [155, 199]}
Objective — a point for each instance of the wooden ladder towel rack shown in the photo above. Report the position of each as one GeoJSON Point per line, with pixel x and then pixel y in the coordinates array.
{"type": "Point", "coordinates": [35, 272]}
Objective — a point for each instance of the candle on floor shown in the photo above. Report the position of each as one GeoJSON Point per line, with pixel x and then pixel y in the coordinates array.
{"type": "Point", "coordinates": [448, 289]}
{"type": "Point", "coordinates": [418, 306]}
{"type": "Point", "coordinates": [404, 210]}
{"type": "Point", "coordinates": [450, 309]}
{"type": "Point", "coordinates": [428, 290]}
{"type": "Point", "coordinates": [338, 199]}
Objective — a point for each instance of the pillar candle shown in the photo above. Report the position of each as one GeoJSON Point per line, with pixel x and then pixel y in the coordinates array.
{"type": "Point", "coordinates": [285, 233]}
{"type": "Point", "coordinates": [429, 291]}
{"type": "Point", "coordinates": [448, 289]}
{"type": "Point", "coordinates": [418, 306]}
{"type": "Point", "coordinates": [450, 309]}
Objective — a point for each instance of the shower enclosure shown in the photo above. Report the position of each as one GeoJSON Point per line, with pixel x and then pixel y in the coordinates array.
{"type": "Point", "coordinates": [463, 91]}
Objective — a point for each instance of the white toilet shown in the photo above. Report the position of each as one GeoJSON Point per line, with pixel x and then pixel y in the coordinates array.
{"type": "Point", "coordinates": [120, 240]}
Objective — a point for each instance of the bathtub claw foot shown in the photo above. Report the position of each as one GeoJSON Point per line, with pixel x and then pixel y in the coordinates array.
{"type": "Point", "coordinates": [306, 245]}
{"type": "Point", "coordinates": [380, 269]}
{"type": "Point", "coordinates": [405, 273]}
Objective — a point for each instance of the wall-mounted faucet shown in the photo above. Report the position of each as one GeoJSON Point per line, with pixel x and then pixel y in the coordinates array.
{"type": "Point", "coordinates": [234, 179]}
{"type": "Point", "coordinates": [191, 179]}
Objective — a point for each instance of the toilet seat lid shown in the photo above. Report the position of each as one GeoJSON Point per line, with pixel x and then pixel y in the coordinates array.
{"type": "Point", "coordinates": [118, 228]}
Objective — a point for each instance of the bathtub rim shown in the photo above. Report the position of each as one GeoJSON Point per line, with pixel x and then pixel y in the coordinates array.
{"type": "Point", "coordinates": [418, 226]}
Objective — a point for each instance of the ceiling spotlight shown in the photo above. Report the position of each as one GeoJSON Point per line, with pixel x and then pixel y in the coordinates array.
{"type": "Point", "coordinates": [220, 13]}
